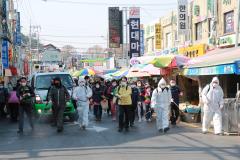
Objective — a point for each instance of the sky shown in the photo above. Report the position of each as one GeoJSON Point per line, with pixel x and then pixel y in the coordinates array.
{"type": "Point", "coordinates": [82, 23]}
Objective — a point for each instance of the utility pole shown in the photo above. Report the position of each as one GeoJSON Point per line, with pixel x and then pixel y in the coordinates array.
{"type": "Point", "coordinates": [30, 46]}
{"type": "Point", "coordinates": [237, 24]}
{"type": "Point", "coordinates": [125, 47]}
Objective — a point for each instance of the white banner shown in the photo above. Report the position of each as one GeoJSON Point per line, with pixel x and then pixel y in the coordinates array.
{"type": "Point", "coordinates": [182, 16]}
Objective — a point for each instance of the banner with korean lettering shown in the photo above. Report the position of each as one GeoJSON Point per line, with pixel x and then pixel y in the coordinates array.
{"type": "Point", "coordinates": [182, 16]}
{"type": "Point", "coordinates": [18, 30]}
{"type": "Point", "coordinates": [115, 27]}
{"type": "Point", "coordinates": [134, 31]}
{"type": "Point", "coordinates": [158, 36]}
{"type": "Point", "coordinates": [141, 42]}
{"type": "Point", "coordinates": [5, 63]}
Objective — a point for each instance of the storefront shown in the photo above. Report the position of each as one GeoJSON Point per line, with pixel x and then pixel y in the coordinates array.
{"type": "Point", "coordinates": [224, 63]}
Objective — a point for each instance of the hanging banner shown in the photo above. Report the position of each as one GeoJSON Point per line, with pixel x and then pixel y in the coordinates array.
{"type": "Point", "coordinates": [5, 64]}
{"type": "Point", "coordinates": [18, 30]}
{"type": "Point", "coordinates": [158, 36]}
{"type": "Point", "coordinates": [115, 27]}
{"type": "Point", "coordinates": [134, 31]}
{"type": "Point", "coordinates": [141, 42]}
{"type": "Point", "coordinates": [182, 16]}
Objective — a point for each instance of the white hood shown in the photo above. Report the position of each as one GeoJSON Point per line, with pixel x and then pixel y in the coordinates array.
{"type": "Point", "coordinates": [215, 79]}
{"type": "Point", "coordinates": [162, 82]}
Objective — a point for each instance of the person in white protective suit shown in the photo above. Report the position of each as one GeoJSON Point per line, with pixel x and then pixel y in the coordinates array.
{"type": "Point", "coordinates": [161, 100]}
{"type": "Point", "coordinates": [212, 97]}
{"type": "Point", "coordinates": [81, 94]}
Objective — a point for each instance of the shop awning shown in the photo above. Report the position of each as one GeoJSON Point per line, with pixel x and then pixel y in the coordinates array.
{"type": "Point", "coordinates": [216, 62]}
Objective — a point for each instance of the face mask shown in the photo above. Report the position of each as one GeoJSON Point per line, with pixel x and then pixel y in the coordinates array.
{"type": "Point", "coordinates": [57, 84]}
{"type": "Point", "coordinates": [24, 84]}
{"type": "Point", "coordinates": [133, 86]}
{"type": "Point", "coordinates": [139, 85]}
{"type": "Point", "coordinates": [173, 84]}
{"type": "Point", "coordinates": [114, 84]}
{"type": "Point", "coordinates": [82, 83]}
{"type": "Point", "coordinates": [124, 83]}
{"type": "Point", "coordinates": [215, 85]}
{"type": "Point", "coordinates": [97, 86]}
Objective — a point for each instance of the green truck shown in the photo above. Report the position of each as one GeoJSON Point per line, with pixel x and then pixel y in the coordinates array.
{"type": "Point", "coordinates": [41, 82]}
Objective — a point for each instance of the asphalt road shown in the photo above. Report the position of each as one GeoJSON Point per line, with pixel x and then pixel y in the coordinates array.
{"type": "Point", "coordinates": [101, 141]}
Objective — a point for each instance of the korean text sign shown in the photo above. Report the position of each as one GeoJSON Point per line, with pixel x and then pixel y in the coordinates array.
{"type": "Point", "coordinates": [182, 16]}
{"type": "Point", "coordinates": [134, 31]}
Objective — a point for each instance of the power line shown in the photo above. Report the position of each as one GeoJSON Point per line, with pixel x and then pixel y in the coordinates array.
{"type": "Point", "coordinates": [69, 42]}
{"type": "Point", "coordinates": [110, 4]}
{"type": "Point", "coordinates": [71, 36]}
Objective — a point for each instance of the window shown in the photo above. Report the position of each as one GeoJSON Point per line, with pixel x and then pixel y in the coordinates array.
{"type": "Point", "coordinates": [229, 22]}
{"type": "Point", "coordinates": [198, 27]}
{"type": "Point", "coordinates": [44, 81]}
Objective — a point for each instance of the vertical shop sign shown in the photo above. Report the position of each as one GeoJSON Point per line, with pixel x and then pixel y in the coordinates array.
{"type": "Point", "coordinates": [5, 54]}
{"type": "Point", "coordinates": [182, 16]}
{"type": "Point", "coordinates": [18, 30]}
{"type": "Point", "coordinates": [134, 31]}
{"type": "Point", "coordinates": [115, 27]}
{"type": "Point", "coordinates": [158, 36]}
{"type": "Point", "coordinates": [141, 42]}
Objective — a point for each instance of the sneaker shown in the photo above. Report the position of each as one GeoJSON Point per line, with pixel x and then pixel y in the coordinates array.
{"type": "Point", "coordinates": [166, 129]}
{"type": "Point", "coordinates": [132, 125]}
{"type": "Point", "coordinates": [20, 131]}
{"type": "Point", "coordinates": [83, 127]}
{"type": "Point", "coordinates": [149, 120]}
{"type": "Point", "coordinates": [120, 130]}
{"type": "Point", "coordinates": [160, 130]}
{"type": "Point", "coordinates": [59, 130]}
{"type": "Point", "coordinates": [139, 120]}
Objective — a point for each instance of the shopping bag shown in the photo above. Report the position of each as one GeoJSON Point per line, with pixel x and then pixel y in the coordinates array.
{"type": "Point", "coordinates": [104, 104]}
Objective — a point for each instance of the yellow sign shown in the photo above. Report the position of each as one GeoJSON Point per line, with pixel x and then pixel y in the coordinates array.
{"type": "Point", "coordinates": [158, 36]}
{"type": "Point", "coordinates": [193, 51]}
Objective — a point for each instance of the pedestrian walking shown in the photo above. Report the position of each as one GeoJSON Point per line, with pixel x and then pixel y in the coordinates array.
{"type": "Point", "coordinates": [135, 97]}
{"type": "Point", "coordinates": [212, 96]}
{"type": "Point", "coordinates": [13, 105]}
{"type": "Point", "coordinates": [59, 96]}
{"type": "Point", "coordinates": [3, 99]}
{"type": "Point", "coordinates": [124, 93]}
{"type": "Point", "coordinates": [97, 97]}
{"type": "Point", "coordinates": [147, 101]}
{"type": "Point", "coordinates": [176, 93]}
{"type": "Point", "coordinates": [113, 105]}
{"type": "Point", "coordinates": [25, 95]}
{"type": "Point", "coordinates": [82, 94]}
{"type": "Point", "coordinates": [141, 105]}
{"type": "Point", "coordinates": [161, 100]}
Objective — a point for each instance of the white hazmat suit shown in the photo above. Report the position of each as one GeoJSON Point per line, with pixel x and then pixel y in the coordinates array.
{"type": "Point", "coordinates": [81, 94]}
{"type": "Point", "coordinates": [212, 96]}
{"type": "Point", "coordinates": [161, 100]}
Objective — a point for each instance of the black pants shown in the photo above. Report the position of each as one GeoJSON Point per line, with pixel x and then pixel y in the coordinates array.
{"type": "Point", "coordinates": [175, 113]}
{"type": "Point", "coordinates": [13, 110]}
{"type": "Point", "coordinates": [25, 108]}
{"type": "Point", "coordinates": [133, 113]}
{"type": "Point", "coordinates": [98, 111]}
{"type": "Point", "coordinates": [148, 112]}
{"type": "Point", "coordinates": [124, 116]}
{"type": "Point", "coordinates": [2, 112]}
{"type": "Point", "coordinates": [59, 116]}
